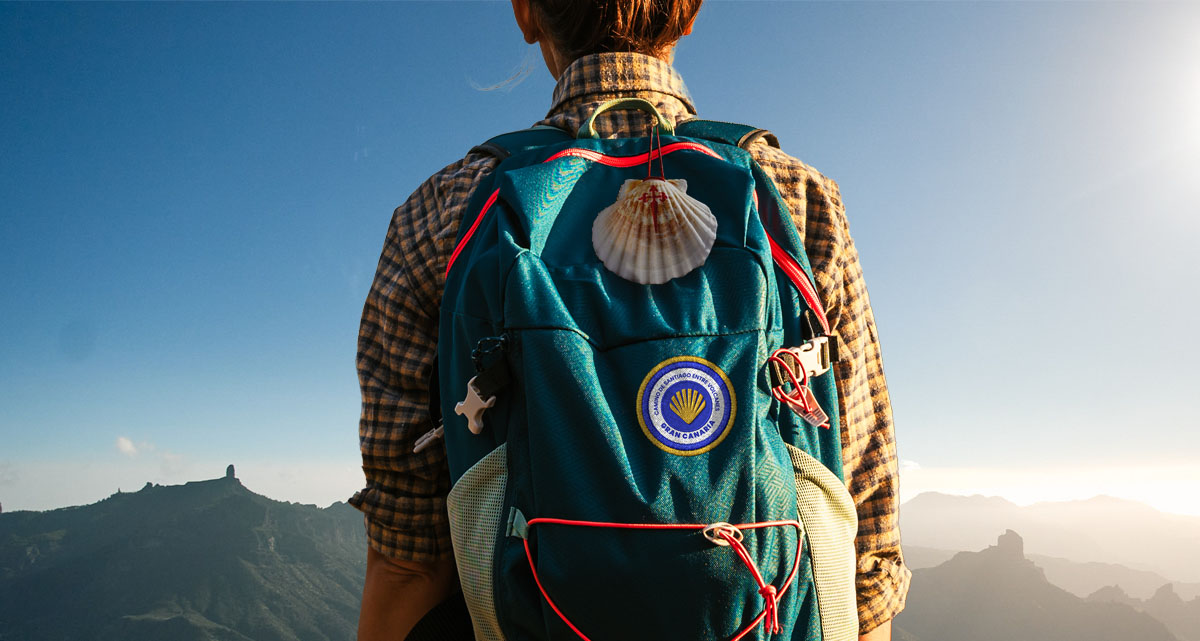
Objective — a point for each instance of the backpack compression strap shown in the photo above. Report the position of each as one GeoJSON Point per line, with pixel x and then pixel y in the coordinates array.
{"type": "Point", "coordinates": [727, 132]}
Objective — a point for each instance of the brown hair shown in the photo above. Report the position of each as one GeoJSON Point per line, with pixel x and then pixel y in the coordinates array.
{"type": "Point", "coordinates": [582, 27]}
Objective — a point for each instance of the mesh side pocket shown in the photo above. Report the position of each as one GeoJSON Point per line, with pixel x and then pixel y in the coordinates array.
{"type": "Point", "coordinates": [830, 521]}
{"type": "Point", "coordinates": [475, 505]}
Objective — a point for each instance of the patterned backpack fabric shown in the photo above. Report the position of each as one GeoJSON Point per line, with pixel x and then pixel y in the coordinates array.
{"type": "Point", "coordinates": [640, 461]}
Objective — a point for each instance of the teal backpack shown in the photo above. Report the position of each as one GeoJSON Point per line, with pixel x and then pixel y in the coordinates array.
{"type": "Point", "coordinates": [640, 461]}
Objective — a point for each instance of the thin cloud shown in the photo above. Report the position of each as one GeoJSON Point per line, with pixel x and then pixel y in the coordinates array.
{"type": "Point", "coordinates": [126, 447]}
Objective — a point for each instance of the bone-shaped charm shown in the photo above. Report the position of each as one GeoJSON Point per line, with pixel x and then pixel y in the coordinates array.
{"type": "Point", "coordinates": [473, 407]}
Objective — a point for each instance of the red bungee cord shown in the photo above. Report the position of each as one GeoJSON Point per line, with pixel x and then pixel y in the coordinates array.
{"type": "Point", "coordinates": [723, 534]}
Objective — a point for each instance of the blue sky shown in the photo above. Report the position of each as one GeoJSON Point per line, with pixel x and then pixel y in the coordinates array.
{"type": "Point", "coordinates": [193, 198]}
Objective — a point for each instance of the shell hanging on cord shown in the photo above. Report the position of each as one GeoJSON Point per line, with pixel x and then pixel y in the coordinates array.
{"type": "Point", "coordinates": [654, 232]}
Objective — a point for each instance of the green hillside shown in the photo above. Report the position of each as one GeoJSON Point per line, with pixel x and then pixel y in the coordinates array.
{"type": "Point", "coordinates": [205, 560]}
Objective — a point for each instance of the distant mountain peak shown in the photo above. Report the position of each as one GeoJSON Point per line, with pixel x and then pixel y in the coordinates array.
{"type": "Point", "coordinates": [218, 486]}
{"type": "Point", "coordinates": [1166, 593]}
{"type": "Point", "coordinates": [1101, 529]}
{"type": "Point", "coordinates": [1182, 618]}
{"type": "Point", "coordinates": [1005, 561]}
{"type": "Point", "coordinates": [998, 595]}
{"type": "Point", "coordinates": [1011, 545]}
{"type": "Point", "coordinates": [1006, 557]}
{"type": "Point", "coordinates": [1110, 593]}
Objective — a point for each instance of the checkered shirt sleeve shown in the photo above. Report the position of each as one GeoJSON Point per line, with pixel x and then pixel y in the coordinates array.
{"type": "Point", "coordinates": [404, 499]}
{"type": "Point", "coordinates": [868, 437]}
{"type": "Point", "coordinates": [405, 496]}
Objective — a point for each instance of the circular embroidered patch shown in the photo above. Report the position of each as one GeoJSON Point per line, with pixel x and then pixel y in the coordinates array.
{"type": "Point", "coordinates": [686, 405]}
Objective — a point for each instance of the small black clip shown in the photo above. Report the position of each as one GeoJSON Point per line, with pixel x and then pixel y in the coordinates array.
{"type": "Point", "coordinates": [491, 364]}
{"type": "Point", "coordinates": [487, 350]}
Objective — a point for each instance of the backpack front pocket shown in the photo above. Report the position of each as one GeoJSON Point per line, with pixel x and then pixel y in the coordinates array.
{"type": "Point", "coordinates": [624, 458]}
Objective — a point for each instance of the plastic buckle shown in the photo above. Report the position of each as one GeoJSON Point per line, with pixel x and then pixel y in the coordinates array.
{"type": "Point", "coordinates": [814, 356]}
{"type": "Point", "coordinates": [473, 407]}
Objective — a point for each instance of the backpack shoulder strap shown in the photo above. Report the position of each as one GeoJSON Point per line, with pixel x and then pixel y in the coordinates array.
{"type": "Point", "coordinates": [499, 147]}
{"type": "Point", "coordinates": [789, 252]}
{"type": "Point", "coordinates": [726, 132]}
{"type": "Point", "coordinates": [515, 142]}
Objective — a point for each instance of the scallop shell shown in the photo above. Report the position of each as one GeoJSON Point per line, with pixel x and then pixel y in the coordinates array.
{"type": "Point", "coordinates": [654, 232]}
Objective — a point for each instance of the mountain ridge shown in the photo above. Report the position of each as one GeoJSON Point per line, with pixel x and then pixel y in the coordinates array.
{"type": "Point", "coordinates": [950, 602]}
{"type": "Point", "coordinates": [203, 560]}
{"type": "Point", "coordinates": [1081, 578]}
{"type": "Point", "coordinates": [1181, 617]}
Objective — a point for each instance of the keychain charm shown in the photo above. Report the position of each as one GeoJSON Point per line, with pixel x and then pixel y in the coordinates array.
{"type": "Point", "coordinates": [473, 407]}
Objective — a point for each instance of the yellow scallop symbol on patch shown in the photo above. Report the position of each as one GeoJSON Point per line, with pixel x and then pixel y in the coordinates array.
{"type": "Point", "coordinates": [686, 405]}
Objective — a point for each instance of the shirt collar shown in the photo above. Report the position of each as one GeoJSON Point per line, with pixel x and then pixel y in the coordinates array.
{"type": "Point", "coordinates": [618, 73]}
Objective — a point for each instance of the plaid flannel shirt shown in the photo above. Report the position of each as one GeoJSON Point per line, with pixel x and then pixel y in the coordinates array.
{"type": "Point", "coordinates": [405, 496]}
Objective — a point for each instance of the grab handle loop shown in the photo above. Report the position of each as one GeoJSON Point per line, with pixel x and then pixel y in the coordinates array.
{"type": "Point", "coordinates": [588, 130]}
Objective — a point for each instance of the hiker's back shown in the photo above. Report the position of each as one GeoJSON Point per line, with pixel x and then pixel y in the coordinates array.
{"type": "Point", "coordinates": [642, 450]}
{"type": "Point", "coordinates": [626, 439]}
